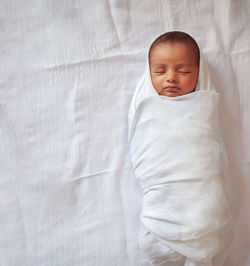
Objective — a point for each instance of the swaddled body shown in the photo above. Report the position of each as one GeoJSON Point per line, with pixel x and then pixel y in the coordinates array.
{"type": "Point", "coordinates": [180, 162]}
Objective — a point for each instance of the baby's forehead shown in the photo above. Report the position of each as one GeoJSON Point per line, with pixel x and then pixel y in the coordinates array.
{"type": "Point", "coordinates": [163, 45]}
{"type": "Point", "coordinates": [162, 48]}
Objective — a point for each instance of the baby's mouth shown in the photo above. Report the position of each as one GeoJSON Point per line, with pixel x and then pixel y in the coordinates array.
{"type": "Point", "coordinates": [171, 89]}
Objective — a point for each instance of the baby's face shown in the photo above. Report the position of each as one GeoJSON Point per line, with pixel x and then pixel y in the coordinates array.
{"type": "Point", "coordinates": [174, 69]}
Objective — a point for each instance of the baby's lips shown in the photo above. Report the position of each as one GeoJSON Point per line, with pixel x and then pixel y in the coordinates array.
{"type": "Point", "coordinates": [171, 89]}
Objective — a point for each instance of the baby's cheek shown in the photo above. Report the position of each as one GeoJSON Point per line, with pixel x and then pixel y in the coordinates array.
{"type": "Point", "coordinates": [190, 81]}
{"type": "Point", "coordinates": [158, 79]}
{"type": "Point", "coordinates": [157, 83]}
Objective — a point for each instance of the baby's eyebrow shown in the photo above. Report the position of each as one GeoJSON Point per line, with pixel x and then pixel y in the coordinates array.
{"type": "Point", "coordinates": [158, 64]}
{"type": "Point", "coordinates": [184, 64]}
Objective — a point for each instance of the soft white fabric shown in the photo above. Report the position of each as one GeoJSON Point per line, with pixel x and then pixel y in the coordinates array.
{"type": "Point", "coordinates": [68, 70]}
{"type": "Point", "coordinates": [180, 161]}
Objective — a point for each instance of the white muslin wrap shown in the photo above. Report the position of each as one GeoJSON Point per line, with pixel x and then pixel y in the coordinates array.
{"type": "Point", "coordinates": [180, 162]}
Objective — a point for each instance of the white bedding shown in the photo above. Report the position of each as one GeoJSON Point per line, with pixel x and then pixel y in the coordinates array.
{"type": "Point", "coordinates": [68, 69]}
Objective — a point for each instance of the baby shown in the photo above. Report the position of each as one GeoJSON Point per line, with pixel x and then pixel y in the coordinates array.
{"type": "Point", "coordinates": [179, 157]}
{"type": "Point", "coordinates": [174, 64]}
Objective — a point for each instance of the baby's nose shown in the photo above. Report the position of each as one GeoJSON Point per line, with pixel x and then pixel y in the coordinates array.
{"type": "Point", "coordinates": [170, 76]}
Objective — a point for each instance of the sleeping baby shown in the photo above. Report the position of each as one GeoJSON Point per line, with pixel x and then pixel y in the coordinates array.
{"type": "Point", "coordinates": [179, 157]}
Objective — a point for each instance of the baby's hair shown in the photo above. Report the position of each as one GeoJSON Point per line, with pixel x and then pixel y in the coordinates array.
{"type": "Point", "coordinates": [174, 37]}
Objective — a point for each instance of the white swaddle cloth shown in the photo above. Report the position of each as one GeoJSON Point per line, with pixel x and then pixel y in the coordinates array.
{"type": "Point", "coordinates": [180, 162]}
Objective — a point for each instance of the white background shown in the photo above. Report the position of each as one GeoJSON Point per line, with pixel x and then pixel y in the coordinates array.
{"type": "Point", "coordinates": [67, 74]}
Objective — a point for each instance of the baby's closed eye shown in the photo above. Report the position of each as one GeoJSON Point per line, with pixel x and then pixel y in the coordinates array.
{"type": "Point", "coordinates": [159, 70]}
{"type": "Point", "coordinates": [184, 72]}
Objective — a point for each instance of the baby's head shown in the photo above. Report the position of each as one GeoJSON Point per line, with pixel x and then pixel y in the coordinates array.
{"type": "Point", "coordinates": [174, 63]}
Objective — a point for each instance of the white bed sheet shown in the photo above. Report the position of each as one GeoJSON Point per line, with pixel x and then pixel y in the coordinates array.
{"type": "Point", "coordinates": [67, 74]}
